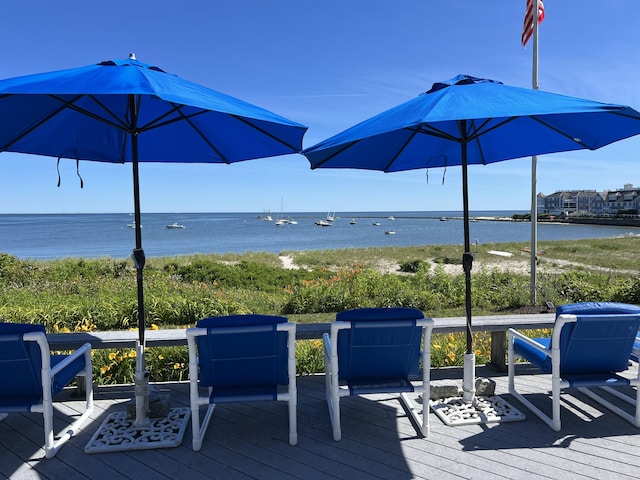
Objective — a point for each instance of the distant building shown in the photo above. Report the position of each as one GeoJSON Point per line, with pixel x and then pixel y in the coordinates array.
{"type": "Point", "coordinates": [590, 202]}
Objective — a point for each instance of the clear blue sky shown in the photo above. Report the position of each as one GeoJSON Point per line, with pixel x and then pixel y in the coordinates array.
{"type": "Point", "coordinates": [328, 65]}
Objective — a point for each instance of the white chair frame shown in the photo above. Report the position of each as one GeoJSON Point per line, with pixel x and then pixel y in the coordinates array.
{"type": "Point", "coordinates": [53, 445]}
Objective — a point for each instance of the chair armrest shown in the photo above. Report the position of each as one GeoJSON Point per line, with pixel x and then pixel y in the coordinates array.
{"type": "Point", "coordinates": [326, 341]}
{"type": "Point", "coordinates": [70, 358]}
{"type": "Point", "coordinates": [529, 341]}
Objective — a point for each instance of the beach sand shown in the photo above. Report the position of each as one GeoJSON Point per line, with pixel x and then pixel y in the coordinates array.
{"type": "Point", "coordinates": [519, 263]}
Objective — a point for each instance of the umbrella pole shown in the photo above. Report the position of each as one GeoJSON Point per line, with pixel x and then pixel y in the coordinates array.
{"type": "Point", "coordinates": [141, 379]}
{"type": "Point", "coordinates": [468, 383]}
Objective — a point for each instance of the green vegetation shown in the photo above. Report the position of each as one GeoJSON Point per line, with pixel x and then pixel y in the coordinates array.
{"type": "Point", "coordinates": [84, 295]}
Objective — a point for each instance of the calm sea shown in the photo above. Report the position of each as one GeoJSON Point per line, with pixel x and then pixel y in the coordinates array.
{"type": "Point", "coordinates": [48, 236]}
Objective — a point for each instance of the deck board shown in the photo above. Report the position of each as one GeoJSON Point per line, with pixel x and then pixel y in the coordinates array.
{"type": "Point", "coordinates": [250, 441]}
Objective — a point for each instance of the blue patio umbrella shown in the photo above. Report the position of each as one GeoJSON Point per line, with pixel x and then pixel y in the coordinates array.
{"type": "Point", "coordinates": [472, 121]}
{"type": "Point", "coordinates": [128, 111]}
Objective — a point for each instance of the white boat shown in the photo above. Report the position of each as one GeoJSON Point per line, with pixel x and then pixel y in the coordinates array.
{"type": "Point", "coordinates": [352, 222]}
{"type": "Point", "coordinates": [331, 217]}
{"type": "Point", "coordinates": [282, 220]}
{"type": "Point", "coordinates": [174, 226]}
{"type": "Point", "coordinates": [132, 225]}
{"type": "Point", "coordinates": [389, 232]}
{"type": "Point", "coordinates": [392, 217]}
{"type": "Point", "coordinates": [322, 223]}
{"type": "Point", "coordinates": [376, 224]}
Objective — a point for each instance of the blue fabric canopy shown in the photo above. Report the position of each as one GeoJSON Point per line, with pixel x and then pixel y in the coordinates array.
{"type": "Point", "coordinates": [494, 121]}
{"type": "Point", "coordinates": [90, 113]}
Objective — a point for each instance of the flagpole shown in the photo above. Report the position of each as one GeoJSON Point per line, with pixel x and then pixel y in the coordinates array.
{"type": "Point", "coordinates": [534, 168]}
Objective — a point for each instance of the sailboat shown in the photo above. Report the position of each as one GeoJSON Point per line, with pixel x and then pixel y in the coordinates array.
{"type": "Point", "coordinates": [282, 220]}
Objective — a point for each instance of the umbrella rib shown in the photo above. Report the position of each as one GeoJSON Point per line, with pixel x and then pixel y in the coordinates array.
{"type": "Point", "coordinates": [345, 147]}
{"type": "Point", "coordinates": [401, 149]}
{"type": "Point", "coordinates": [156, 122]}
{"type": "Point", "coordinates": [560, 132]}
{"type": "Point", "coordinates": [476, 138]}
{"type": "Point", "coordinates": [177, 108]}
{"type": "Point", "coordinates": [72, 106]}
{"type": "Point", "coordinates": [429, 129]}
{"type": "Point", "coordinates": [34, 127]}
{"type": "Point", "coordinates": [264, 132]}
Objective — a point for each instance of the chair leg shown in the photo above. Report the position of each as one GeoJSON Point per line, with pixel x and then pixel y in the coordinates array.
{"type": "Point", "coordinates": [293, 408]}
{"type": "Point", "coordinates": [511, 369]}
{"type": "Point", "coordinates": [198, 429]}
{"type": "Point", "coordinates": [419, 418]}
{"type": "Point", "coordinates": [334, 413]}
{"type": "Point", "coordinates": [331, 390]}
{"type": "Point", "coordinates": [51, 444]}
{"type": "Point", "coordinates": [633, 419]}
{"type": "Point", "coordinates": [47, 413]}
{"type": "Point", "coordinates": [333, 404]}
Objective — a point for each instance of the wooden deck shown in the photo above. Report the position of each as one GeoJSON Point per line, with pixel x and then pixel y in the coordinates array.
{"type": "Point", "coordinates": [249, 441]}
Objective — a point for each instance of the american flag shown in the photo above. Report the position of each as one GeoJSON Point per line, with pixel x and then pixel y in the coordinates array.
{"type": "Point", "coordinates": [527, 28]}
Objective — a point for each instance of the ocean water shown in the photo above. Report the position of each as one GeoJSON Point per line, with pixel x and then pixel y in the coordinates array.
{"type": "Point", "coordinates": [50, 236]}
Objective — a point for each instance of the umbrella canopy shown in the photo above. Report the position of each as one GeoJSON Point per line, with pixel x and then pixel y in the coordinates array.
{"type": "Point", "coordinates": [95, 112]}
{"type": "Point", "coordinates": [128, 111]}
{"type": "Point", "coordinates": [469, 121]}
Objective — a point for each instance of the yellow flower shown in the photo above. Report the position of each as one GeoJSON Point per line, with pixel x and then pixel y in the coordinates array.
{"type": "Point", "coordinates": [176, 366]}
{"type": "Point", "coordinates": [478, 352]}
{"type": "Point", "coordinates": [120, 358]}
{"type": "Point", "coordinates": [112, 356]}
{"type": "Point", "coordinates": [104, 369]}
{"type": "Point", "coordinates": [154, 326]}
{"type": "Point", "coordinates": [452, 356]}
{"type": "Point", "coordinates": [437, 346]}
{"type": "Point", "coordinates": [132, 354]}
{"type": "Point", "coordinates": [317, 344]}
{"type": "Point", "coordinates": [160, 357]}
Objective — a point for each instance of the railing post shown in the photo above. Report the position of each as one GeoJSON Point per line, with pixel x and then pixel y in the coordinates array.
{"type": "Point", "coordinates": [498, 351]}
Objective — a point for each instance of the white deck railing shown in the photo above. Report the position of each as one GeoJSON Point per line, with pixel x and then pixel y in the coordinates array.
{"type": "Point", "coordinates": [496, 324]}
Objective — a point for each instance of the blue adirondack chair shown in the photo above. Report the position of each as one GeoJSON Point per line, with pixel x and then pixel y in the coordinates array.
{"type": "Point", "coordinates": [590, 345]}
{"type": "Point", "coordinates": [378, 350]}
{"type": "Point", "coordinates": [241, 358]}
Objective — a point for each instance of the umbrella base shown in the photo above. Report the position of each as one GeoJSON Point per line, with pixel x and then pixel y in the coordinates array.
{"type": "Point", "coordinates": [455, 411]}
{"type": "Point", "coordinates": [118, 432]}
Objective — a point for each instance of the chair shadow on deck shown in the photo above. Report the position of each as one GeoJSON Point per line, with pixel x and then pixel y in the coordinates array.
{"type": "Point", "coordinates": [377, 427]}
{"type": "Point", "coordinates": [581, 419]}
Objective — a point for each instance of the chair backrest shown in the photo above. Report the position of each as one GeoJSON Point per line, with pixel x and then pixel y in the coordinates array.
{"type": "Point", "coordinates": [602, 338]}
{"type": "Point", "coordinates": [381, 343]}
{"type": "Point", "coordinates": [20, 367]}
{"type": "Point", "coordinates": [242, 351]}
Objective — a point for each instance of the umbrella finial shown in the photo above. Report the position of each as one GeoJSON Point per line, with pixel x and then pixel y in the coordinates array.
{"type": "Point", "coordinates": [132, 56]}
